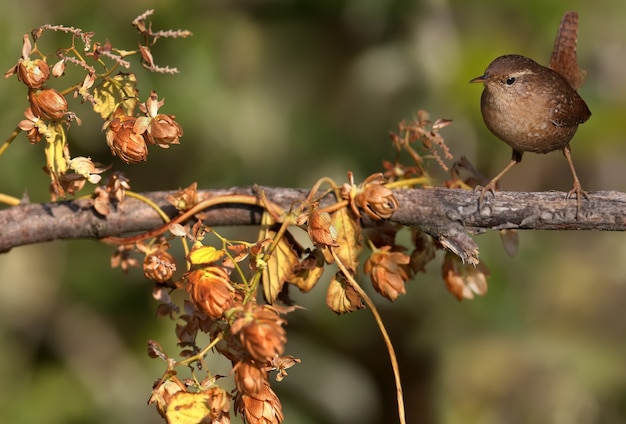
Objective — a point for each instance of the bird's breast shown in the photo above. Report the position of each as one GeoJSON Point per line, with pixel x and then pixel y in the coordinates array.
{"type": "Point", "coordinates": [524, 122]}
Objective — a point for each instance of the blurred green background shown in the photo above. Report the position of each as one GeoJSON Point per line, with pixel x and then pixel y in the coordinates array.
{"type": "Point", "coordinates": [280, 92]}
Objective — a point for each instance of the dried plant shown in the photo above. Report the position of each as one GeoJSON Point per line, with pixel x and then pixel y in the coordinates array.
{"type": "Point", "coordinates": [236, 292]}
{"type": "Point", "coordinates": [110, 93]}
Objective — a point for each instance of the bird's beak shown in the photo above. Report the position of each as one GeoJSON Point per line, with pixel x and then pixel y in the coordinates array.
{"type": "Point", "coordinates": [481, 78]}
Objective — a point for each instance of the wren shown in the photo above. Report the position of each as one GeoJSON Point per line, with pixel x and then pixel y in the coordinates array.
{"type": "Point", "coordinates": [533, 108]}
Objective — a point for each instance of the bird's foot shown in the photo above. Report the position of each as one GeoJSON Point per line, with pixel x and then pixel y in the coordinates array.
{"type": "Point", "coordinates": [491, 187]}
{"type": "Point", "coordinates": [580, 193]}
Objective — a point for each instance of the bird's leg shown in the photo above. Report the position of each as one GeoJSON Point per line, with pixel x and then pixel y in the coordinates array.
{"type": "Point", "coordinates": [515, 159]}
{"type": "Point", "coordinates": [576, 189]}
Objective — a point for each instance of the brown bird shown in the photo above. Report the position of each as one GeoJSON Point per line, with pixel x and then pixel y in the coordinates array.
{"type": "Point", "coordinates": [533, 108]}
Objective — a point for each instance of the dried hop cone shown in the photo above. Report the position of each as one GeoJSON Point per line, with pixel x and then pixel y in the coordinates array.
{"type": "Point", "coordinates": [249, 378]}
{"type": "Point", "coordinates": [321, 230]}
{"type": "Point", "coordinates": [388, 271]}
{"type": "Point", "coordinates": [376, 200]}
{"type": "Point", "coordinates": [159, 128]}
{"type": "Point", "coordinates": [210, 290]}
{"type": "Point", "coordinates": [33, 73]}
{"type": "Point", "coordinates": [159, 266]}
{"type": "Point", "coordinates": [124, 142]}
{"type": "Point", "coordinates": [47, 104]}
{"type": "Point", "coordinates": [262, 408]}
{"type": "Point", "coordinates": [261, 333]}
{"type": "Point", "coordinates": [164, 130]}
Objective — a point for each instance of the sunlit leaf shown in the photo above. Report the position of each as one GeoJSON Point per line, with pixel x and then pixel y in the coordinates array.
{"type": "Point", "coordinates": [282, 261]}
{"type": "Point", "coordinates": [279, 268]}
{"type": "Point", "coordinates": [187, 408]}
{"type": "Point", "coordinates": [349, 238]}
{"type": "Point", "coordinates": [57, 156]}
{"type": "Point", "coordinates": [205, 255]}
{"type": "Point", "coordinates": [114, 92]}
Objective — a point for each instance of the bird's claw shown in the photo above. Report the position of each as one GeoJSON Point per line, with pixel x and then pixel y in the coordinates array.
{"type": "Point", "coordinates": [580, 193]}
{"type": "Point", "coordinates": [491, 187]}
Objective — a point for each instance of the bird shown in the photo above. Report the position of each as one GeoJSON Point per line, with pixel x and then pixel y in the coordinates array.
{"type": "Point", "coordinates": [534, 108]}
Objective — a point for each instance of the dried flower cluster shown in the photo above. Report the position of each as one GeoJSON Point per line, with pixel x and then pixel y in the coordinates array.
{"type": "Point", "coordinates": [112, 96]}
{"type": "Point", "coordinates": [224, 283]}
{"type": "Point", "coordinates": [252, 336]}
{"type": "Point", "coordinates": [129, 136]}
{"type": "Point", "coordinates": [236, 293]}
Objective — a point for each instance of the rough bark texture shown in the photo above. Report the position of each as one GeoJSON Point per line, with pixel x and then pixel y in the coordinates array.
{"type": "Point", "coordinates": [448, 215]}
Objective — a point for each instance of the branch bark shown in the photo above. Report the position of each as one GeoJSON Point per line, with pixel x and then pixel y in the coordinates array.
{"type": "Point", "coordinates": [448, 215]}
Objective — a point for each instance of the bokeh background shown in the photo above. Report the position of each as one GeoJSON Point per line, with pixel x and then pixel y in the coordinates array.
{"type": "Point", "coordinates": [280, 92]}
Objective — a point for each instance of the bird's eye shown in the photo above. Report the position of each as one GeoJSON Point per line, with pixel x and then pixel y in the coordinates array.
{"type": "Point", "coordinates": [510, 81]}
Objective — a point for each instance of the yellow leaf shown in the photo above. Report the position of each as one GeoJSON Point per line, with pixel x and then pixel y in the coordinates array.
{"type": "Point", "coordinates": [279, 268]}
{"type": "Point", "coordinates": [281, 263]}
{"type": "Point", "coordinates": [187, 408]}
{"type": "Point", "coordinates": [349, 238]}
{"type": "Point", "coordinates": [205, 255]}
{"type": "Point", "coordinates": [57, 155]}
{"type": "Point", "coordinates": [114, 92]}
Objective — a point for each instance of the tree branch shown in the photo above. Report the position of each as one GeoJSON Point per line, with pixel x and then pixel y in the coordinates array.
{"type": "Point", "coordinates": [445, 214]}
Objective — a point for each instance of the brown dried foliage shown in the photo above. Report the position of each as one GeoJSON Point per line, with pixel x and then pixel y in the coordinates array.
{"type": "Point", "coordinates": [224, 283]}
{"type": "Point", "coordinates": [222, 287]}
{"type": "Point", "coordinates": [48, 118]}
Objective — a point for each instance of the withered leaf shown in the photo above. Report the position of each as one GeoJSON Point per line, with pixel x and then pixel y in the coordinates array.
{"type": "Point", "coordinates": [279, 268]}
{"type": "Point", "coordinates": [239, 251]}
{"type": "Point", "coordinates": [341, 297]}
{"type": "Point", "coordinates": [280, 265]}
{"type": "Point", "coordinates": [349, 238]}
{"type": "Point", "coordinates": [309, 271]}
{"type": "Point", "coordinates": [510, 241]}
